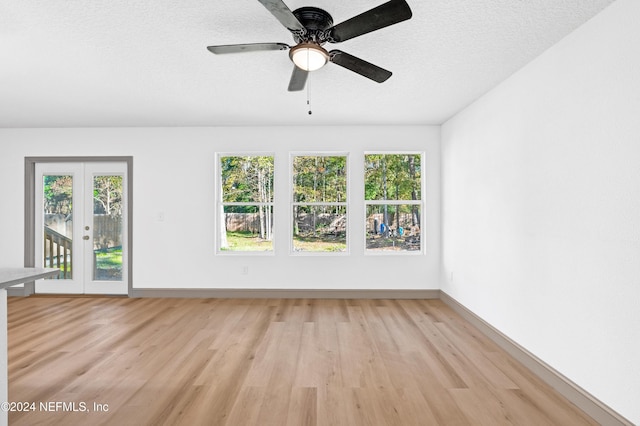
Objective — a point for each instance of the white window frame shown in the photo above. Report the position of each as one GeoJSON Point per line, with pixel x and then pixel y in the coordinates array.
{"type": "Point", "coordinates": [219, 215]}
{"type": "Point", "coordinates": [420, 203]}
{"type": "Point", "coordinates": [344, 204]}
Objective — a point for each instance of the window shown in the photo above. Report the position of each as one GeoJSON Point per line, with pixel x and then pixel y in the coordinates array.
{"type": "Point", "coordinates": [245, 204]}
{"type": "Point", "coordinates": [393, 202]}
{"type": "Point", "coordinates": [319, 204]}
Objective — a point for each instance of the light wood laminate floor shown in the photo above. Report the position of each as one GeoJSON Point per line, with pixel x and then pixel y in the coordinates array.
{"type": "Point", "coordinates": [265, 362]}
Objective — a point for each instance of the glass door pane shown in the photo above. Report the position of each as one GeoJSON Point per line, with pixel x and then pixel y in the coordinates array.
{"type": "Point", "coordinates": [58, 224]}
{"type": "Point", "coordinates": [107, 228]}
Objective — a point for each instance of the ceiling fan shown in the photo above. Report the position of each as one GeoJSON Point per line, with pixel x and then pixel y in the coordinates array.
{"type": "Point", "coordinates": [312, 27]}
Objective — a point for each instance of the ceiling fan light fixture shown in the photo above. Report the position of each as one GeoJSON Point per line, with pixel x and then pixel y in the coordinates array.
{"type": "Point", "coordinates": [309, 56]}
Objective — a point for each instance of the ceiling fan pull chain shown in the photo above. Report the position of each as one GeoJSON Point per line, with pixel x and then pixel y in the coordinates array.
{"type": "Point", "coordinates": [308, 90]}
{"type": "Point", "coordinates": [308, 99]}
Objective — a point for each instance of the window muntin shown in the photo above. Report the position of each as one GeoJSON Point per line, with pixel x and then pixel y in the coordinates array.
{"type": "Point", "coordinates": [393, 204]}
{"type": "Point", "coordinates": [319, 203]}
{"type": "Point", "coordinates": [245, 203]}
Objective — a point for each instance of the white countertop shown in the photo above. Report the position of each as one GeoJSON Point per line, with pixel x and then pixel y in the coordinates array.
{"type": "Point", "coordinates": [14, 276]}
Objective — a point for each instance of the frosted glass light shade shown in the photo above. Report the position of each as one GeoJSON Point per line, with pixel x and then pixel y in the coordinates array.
{"type": "Point", "coordinates": [309, 56]}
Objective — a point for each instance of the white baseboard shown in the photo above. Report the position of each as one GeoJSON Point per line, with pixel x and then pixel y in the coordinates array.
{"type": "Point", "coordinates": [285, 293]}
{"type": "Point", "coordinates": [582, 399]}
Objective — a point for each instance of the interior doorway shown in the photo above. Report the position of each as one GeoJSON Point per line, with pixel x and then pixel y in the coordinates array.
{"type": "Point", "coordinates": [80, 223]}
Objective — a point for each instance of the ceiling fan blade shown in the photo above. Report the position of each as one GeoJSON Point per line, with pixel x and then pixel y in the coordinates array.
{"type": "Point", "coordinates": [283, 14]}
{"type": "Point", "coordinates": [298, 79]}
{"type": "Point", "coordinates": [386, 14]}
{"type": "Point", "coordinates": [251, 47]}
{"type": "Point", "coordinates": [359, 66]}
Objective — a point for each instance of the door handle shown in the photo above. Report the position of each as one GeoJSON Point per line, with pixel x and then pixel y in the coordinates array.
{"type": "Point", "coordinates": [86, 237]}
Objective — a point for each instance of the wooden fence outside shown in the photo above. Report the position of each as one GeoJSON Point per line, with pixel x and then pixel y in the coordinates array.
{"type": "Point", "coordinates": [107, 232]}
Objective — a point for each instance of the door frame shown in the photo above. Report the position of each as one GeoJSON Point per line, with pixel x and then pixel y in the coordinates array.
{"type": "Point", "coordinates": [30, 199]}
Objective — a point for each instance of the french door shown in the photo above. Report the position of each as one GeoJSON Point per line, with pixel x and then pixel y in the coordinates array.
{"type": "Point", "coordinates": [81, 227]}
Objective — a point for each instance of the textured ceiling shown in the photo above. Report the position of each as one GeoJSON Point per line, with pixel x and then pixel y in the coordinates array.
{"type": "Point", "coordinates": [78, 63]}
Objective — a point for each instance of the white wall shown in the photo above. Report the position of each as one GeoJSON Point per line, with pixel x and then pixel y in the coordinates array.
{"type": "Point", "coordinates": [541, 207]}
{"type": "Point", "coordinates": [177, 164]}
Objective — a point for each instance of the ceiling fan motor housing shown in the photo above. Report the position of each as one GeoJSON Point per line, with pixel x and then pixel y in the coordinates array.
{"type": "Point", "coordinates": [316, 21]}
